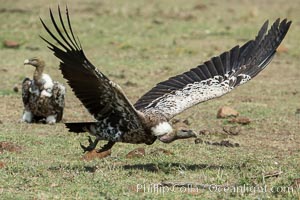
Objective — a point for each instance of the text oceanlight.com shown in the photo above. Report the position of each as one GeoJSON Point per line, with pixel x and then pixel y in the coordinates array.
{"type": "Point", "coordinates": [190, 188]}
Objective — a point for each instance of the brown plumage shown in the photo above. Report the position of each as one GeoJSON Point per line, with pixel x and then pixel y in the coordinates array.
{"type": "Point", "coordinates": [118, 120]}
{"type": "Point", "coordinates": [42, 97]}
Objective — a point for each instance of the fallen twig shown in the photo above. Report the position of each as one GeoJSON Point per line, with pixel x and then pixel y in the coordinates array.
{"type": "Point", "coordinates": [270, 174]}
{"type": "Point", "coordinates": [273, 174]}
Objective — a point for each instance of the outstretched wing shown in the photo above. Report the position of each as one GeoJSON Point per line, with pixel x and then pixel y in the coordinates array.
{"type": "Point", "coordinates": [217, 76]}
{"type": "Point", "coordinates": [103, 98]}
{"type": "Point", "coordinates": [25, 91]}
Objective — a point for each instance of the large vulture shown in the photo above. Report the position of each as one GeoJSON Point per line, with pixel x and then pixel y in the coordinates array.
{"type": "Point", "coordinates": [118, 120]}
{"type": "Point", "coordinates": [43, 98]}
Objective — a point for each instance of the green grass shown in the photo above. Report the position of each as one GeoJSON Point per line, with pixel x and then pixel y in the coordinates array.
{"type": "Point", "coordinates": [146, 42]}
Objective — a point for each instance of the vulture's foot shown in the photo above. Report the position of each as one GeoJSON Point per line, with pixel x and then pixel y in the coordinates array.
{"type": "Point", "coordinates": [106, 147]}
{"type": "Point", "coordinates": [92, 145]}
{"type": "Point", "coordinates": [180, 134]}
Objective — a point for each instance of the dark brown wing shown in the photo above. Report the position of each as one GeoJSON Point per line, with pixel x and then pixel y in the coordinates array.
{"type": "Point", "coordinates": [25, 91]}
{"type": "Point", "coordinates": [103, 98]}
{"type": "Point", "coordinates": [58, 92]}
{"type": "Point", "coordinates": [217, 76]}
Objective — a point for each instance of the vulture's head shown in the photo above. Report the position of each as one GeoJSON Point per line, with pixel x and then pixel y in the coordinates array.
{"type": "Point", "coordinates": [36, 62]}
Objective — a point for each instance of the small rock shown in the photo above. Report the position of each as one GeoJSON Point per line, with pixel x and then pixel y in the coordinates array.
{"type": "Point", "coordinates": [204, 132]}
{"type": "Point", "coordinates": [2, 164]}
{"type": "Point", "coordinates": [11, 44]}
{"type": "Point", "coordinates": [240, 120]}
{"type": "Point", "coordinates": [9, 146]}
{"type": "Point", "coordinates": [282, 49]}
{"type": "Point", "coordinates": [226, 111]}
{"type": "Point", "coordinates": [198, 141]}
{"type": "Point", "coordinates": [232, 130]}
{"type": "Point", "coordinates": [16, 88]}
{"type": "Point", "coordinates": [297, 111]}
{"type": "Point", "coordinates": [94, 154]}
{"type": "Point", "coordinates": [136, 153]}
{"type": "Point", "coordinates": [226, 143]}
{"type": "Point", "coordinates": [161, 151]}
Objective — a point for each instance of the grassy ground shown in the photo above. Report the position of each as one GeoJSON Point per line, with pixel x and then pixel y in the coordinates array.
{"type": "Point", "coordinates": [137, 44]}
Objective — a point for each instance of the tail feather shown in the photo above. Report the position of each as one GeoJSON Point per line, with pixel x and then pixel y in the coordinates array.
{"type": "Point", "coordinates": [79, 127]}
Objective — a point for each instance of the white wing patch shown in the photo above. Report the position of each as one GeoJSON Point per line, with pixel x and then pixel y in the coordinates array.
{"type": "Point", "coordinates": [245, 78]}
{"type": "Point", "coordinates": [173, 103]}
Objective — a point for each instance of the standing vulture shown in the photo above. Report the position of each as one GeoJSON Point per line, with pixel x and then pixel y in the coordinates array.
{"type": "Point", "coordinates": [43, 98]}
{"type": "Point", "coordinates": [118, 120]}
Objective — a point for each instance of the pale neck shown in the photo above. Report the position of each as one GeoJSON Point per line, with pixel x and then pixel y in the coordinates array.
{"type": "Point", "coordinates": [38, 73]}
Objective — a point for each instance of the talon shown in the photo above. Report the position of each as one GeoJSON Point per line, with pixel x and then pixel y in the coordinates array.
{"type": "Point", "coordinates": [92, 144]}
{"type": "Point", "coordinates": [106, 147]}
{"type": "Point", "coordinates": [83, 147]}
{"type": "Point", "coordinates": [90, 140]}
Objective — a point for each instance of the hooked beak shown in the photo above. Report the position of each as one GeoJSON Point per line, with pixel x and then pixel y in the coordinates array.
{"type": "Point", "coordinates": [27, 62]}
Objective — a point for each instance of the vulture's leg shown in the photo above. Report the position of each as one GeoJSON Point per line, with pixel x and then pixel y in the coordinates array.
{"type": "Point", "coordinates": [176, 135]}
{"type": "Point", "coordinates": [106, 147]}
{"type": "Point", "coordinates": [27, 117]}
{"type": "Point", "coordinates": [92, 144]}
{"type": "Point", "coordinates": [51, 119]}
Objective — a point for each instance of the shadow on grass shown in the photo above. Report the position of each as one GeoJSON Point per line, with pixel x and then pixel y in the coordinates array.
{"type": "Point", "coordinates": [151, 167]}
{"type": "Point", "coordinates": [164, 167]}
{"type": "Point", "coordinates": [90, 169]}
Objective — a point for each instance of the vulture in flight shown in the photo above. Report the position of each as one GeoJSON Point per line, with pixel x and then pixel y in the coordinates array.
{"type": "Point", "coordinates": [43, 98]}
{"type": "Point", "coordinates": [118, 120]}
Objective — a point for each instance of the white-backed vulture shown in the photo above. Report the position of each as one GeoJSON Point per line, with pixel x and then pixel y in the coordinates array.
{"type": "Point", "coordinates": [43, 98]}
